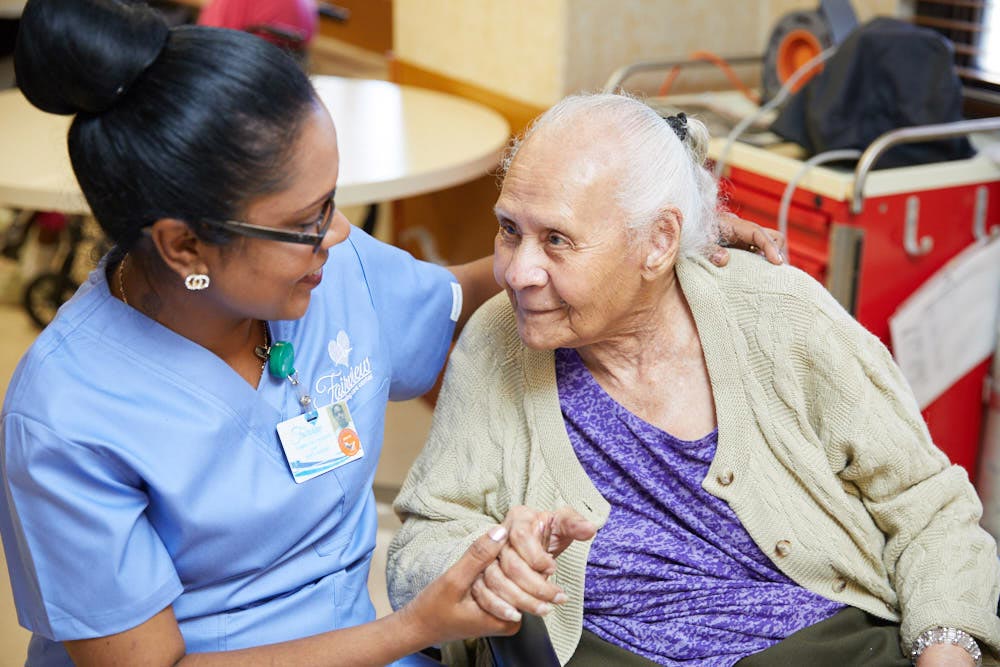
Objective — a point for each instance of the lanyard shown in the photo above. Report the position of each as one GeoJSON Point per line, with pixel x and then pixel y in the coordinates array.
{"type": "Point", "coordinates": [281, 364]}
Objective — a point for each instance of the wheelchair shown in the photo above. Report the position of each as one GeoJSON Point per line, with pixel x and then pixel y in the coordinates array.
{"type": "Point", "coordinates": [530, 646]}
{"type": "Point", "coordinates": [47, 291]}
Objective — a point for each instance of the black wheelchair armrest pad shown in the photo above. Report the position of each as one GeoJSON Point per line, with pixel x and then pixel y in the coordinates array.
{"type": "Point", "coordinates": [529, 647]}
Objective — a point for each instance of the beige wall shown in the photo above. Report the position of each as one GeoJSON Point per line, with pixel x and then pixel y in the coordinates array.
{"type": "Point", "coordinates": [865, 9]}
{"type": "Point", "coordinates": [537, 51]}
{"type": "Point", "coordinates": [514, 47]}
{"type": "Point", "coordinates": [606, 35]}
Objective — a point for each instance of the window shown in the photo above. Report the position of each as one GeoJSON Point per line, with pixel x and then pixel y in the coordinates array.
{"type": "Point", "coordinates": [973, 26]}
{"type": "Point", "coordinates": [989, 43]}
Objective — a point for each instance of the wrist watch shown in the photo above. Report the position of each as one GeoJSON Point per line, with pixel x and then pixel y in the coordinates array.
{"type": "Point", "coordinates": [946, 636]}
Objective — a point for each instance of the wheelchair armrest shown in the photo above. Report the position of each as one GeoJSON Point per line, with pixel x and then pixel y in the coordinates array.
{"type": "Point", "coordinates": [529, 647]}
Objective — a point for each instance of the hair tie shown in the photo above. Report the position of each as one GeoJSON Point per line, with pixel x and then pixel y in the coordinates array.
{"type": "Point", "coordinates": [679, 124]}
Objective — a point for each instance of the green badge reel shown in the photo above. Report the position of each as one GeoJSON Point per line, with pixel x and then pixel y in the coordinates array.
{"type": "Point", "coordinates": [281, 364]}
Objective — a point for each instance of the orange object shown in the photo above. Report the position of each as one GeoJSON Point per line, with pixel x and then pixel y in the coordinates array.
{"type": "Point", "coordinates": [349, 442]}
{"type": "Point", "coordinates": [719, 62]}
{"type": "Point", "coordinates": [794, 51]}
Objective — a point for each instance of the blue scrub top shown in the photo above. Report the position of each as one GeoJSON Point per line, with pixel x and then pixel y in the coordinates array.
{"type": "Point", "coordinates": [140, 470]}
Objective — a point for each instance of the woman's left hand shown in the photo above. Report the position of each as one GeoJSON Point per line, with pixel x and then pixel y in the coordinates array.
{"type": "Point", "coordinates": [745, 235]}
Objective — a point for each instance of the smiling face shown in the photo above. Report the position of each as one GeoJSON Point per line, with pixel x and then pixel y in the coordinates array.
{"type": "Point", "coordinates": [563, 253]}
{"type": "Point", "coordinates": [268, 279]}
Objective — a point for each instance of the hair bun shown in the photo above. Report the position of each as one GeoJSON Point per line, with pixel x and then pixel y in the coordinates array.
{"type": "Point", "coordinates": [697, 140]}
{"type": "Point", "coordinates": [77, 56]}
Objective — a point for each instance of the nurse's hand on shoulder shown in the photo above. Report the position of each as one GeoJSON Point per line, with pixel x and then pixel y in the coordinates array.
{"type": "Point", "coordinates": [742, 234]}
{"type": "Point", "coordinates": [519, 580]}
{"type": "Point", "coordinates": [444, 611]}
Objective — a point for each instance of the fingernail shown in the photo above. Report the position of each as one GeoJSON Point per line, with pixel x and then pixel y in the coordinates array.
{"type": "Point", "coordinates": [560, 598]}
{"type": "Point", "coordinates": [497, 533]}
{"type": "Point", "coordinates": [781, 257]}
{"type": "Point", "coordinates": [544, 609]}
{"type": "Point", "coordinates": [513, 615]}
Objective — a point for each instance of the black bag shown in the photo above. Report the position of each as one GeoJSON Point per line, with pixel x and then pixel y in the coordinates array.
{"type": "Point", "coordinates": [886, 75]}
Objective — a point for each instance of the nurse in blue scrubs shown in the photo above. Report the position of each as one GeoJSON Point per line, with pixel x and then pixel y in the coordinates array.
{"type": "Point", "coordinates": [188, 449]}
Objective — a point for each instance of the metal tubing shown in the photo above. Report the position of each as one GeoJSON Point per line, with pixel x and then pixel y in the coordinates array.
{"type": "Point", "coordinates": [908, 135]}
{"type": "Point", "coordinates": [619, 76]}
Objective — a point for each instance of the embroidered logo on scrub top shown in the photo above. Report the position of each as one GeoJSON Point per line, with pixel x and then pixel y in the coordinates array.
{"type": "Point", "coordinates": [343, 384]}
{"type": "Point", "coordinates": [340, 349]}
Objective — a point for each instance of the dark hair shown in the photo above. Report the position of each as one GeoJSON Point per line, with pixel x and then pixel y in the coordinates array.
{"type": "Point", "coordinates": [188, 123]}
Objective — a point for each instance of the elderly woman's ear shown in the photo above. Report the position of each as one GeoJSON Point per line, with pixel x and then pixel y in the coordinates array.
{"type": "Point", "coordinates": [662, 244]}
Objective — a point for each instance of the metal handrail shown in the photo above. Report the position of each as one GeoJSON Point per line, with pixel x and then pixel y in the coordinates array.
{"type": "Point", "coordinates": [907, 135]}
{"type": "Point", "coordinates": [619, 76]}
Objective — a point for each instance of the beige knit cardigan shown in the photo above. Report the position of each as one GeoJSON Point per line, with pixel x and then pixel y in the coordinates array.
{"type": "Point", "coordinates": [822, 454]}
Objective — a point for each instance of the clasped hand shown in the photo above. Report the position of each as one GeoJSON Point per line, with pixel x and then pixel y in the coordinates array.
{"type": "Point", "coordinates": [518, 580]}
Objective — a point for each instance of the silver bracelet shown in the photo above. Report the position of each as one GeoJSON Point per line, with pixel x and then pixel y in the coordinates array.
{"type": "Point", "coordinates": [946, 636]}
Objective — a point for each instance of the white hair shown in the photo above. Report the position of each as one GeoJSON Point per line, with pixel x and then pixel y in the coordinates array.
{"type": "Point", "coordinates": [660, 171]}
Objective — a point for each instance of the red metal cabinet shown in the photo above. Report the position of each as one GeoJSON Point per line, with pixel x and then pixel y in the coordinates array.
{"type": "Point", "coordinates": [862, 258]}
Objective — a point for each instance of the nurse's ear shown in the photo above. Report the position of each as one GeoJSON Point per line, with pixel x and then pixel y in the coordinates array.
{"type": "Point", "coordinates": [179, 248]}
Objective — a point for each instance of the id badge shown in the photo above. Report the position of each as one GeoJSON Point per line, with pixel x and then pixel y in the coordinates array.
{"type": "Point", "coordinates": [319, 441]}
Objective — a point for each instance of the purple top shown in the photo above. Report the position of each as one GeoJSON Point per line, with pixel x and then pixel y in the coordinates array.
{"type": "Point", "coordinates": [673, 575]}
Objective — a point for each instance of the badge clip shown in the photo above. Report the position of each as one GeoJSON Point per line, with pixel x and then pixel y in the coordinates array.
{"type": "Point", "coordinates": [281, 364]}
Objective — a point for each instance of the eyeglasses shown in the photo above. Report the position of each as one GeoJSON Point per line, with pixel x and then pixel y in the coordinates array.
{"type": "Point", "coordinates": [273, 234]}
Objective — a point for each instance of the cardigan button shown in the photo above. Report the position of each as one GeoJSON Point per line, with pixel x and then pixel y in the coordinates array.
{"type": "Point", "coordinates": [725, 478]}
{"type": "Point", "coordinates": [839, 585]}
{"type": "Point", "coordinates": [783, 547]}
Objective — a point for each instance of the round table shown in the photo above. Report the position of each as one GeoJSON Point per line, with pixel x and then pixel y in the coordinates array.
{"type": "Point", "coordinates": [395, 141]}
{"type": "Point", "coordinates": [11, 9]}
{"type": "Point", "coordinates": [399, 141]}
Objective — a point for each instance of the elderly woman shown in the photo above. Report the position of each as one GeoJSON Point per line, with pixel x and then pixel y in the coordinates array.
{"type": "Point", "coordinates": [765, 490]}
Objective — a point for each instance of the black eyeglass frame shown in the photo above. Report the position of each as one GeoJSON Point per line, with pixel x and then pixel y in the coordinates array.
{"type": "Point", "coordinates": [274, 234]}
